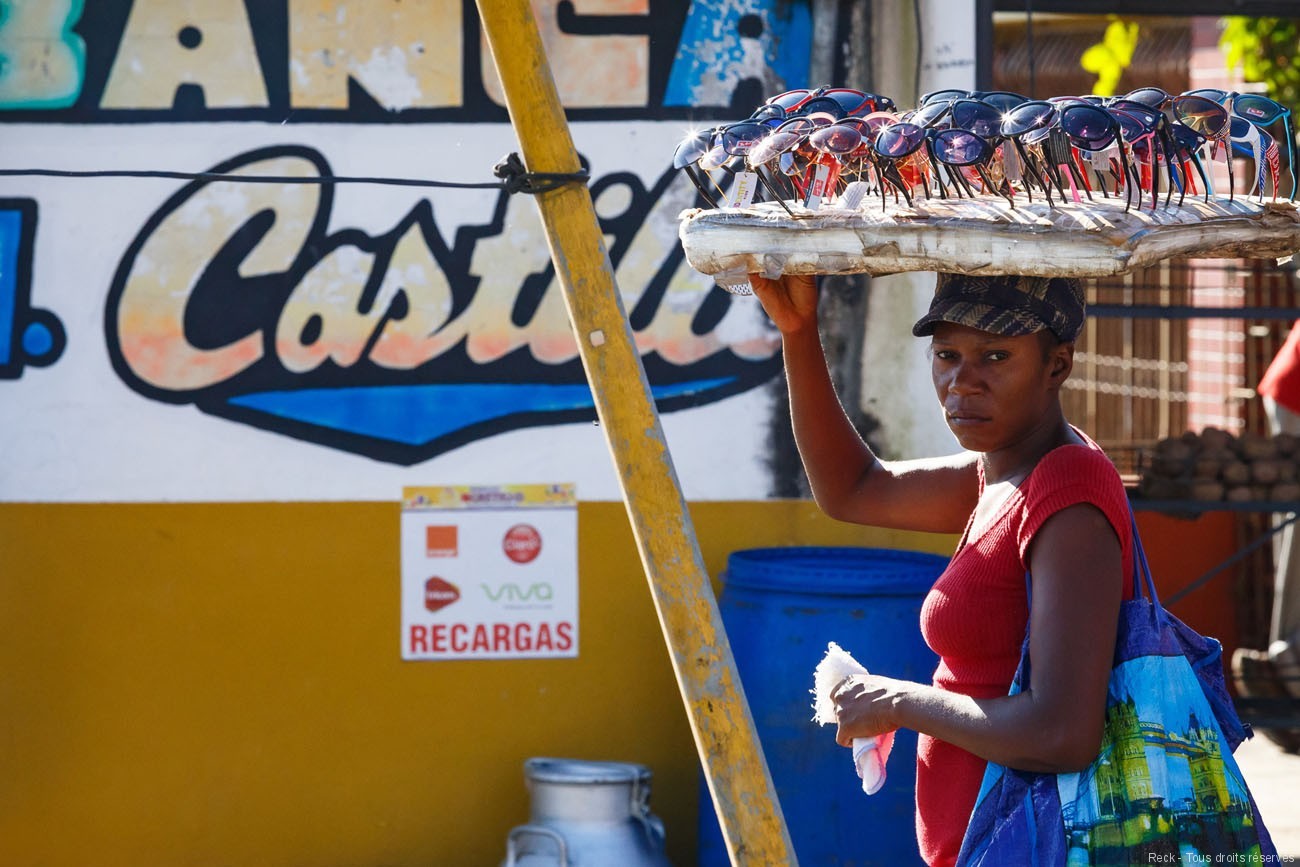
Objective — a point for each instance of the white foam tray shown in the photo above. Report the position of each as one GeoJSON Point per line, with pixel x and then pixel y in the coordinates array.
{"type": "Point", "coordinates": [986, 235]}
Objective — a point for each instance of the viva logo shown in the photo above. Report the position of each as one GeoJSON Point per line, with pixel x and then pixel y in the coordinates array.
{"type": "Point", "coordinates": [537, 592]}
{"type": "Point", "coordinates": [237, 297]}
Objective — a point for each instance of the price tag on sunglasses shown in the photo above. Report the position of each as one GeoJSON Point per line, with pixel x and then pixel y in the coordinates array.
{"type": "Point", "coordinates": [817, 190]}
{"type": "Point", "coordinates": [1011, 164]}
{"type": "Point", "coordinates": [743, 189]}
{"type": "Point", "coordinates": [1100, 160]}
{"type": "Point", "coordinates": [853, 194]}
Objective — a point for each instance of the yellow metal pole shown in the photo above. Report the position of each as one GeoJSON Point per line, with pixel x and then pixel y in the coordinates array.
{"type": "Point", "coordinates": [725, 737]}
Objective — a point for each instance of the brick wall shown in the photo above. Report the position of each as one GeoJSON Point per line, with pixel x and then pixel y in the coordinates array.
{"type": "Point", "coordinates": [1217, 393]}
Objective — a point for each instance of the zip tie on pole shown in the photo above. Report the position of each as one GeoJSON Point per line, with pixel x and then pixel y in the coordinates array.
{"type": "Point", "coordinates": [516, 179]}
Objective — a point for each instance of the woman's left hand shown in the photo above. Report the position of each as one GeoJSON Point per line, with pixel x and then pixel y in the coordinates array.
{"type": "Point", "coordinates": [866, 705]}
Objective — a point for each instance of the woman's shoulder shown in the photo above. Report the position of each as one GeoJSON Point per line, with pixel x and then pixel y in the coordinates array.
{"type": "Point", "coordinates": [1086, 453]}
{"type": "Point", "coordinates": [1077, 464]}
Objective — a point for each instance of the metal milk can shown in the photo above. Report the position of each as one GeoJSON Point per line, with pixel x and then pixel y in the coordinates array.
{"type": "Point", "coordinates": [587, 814]}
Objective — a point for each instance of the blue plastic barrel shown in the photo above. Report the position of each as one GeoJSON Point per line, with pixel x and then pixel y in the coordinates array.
{"type": "Point", "coordinates": [780, 607]}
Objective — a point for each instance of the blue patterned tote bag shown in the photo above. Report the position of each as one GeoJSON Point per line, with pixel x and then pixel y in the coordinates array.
{"type": "Point", "coordinates": [1164, 788]}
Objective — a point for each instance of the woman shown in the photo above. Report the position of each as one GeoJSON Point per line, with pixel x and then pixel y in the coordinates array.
{"type": "Point", "coordinates": [1029, 494]}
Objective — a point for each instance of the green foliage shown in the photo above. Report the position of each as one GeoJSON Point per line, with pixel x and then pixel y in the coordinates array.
{"type": "Point", "coordinates": [1266, 50]}
{"type": "Point", "coordinates": [1109, 58]}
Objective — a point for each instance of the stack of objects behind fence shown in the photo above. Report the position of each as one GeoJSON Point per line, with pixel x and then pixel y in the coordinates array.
{"type": "Point", "coordinates": [1216, 466]}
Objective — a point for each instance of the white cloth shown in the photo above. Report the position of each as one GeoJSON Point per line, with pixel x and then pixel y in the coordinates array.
{"type": "Point", "coordinates": [869, 754]}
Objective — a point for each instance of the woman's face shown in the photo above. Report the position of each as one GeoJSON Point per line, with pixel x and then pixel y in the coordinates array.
{"type": "Point", "coordinates": [995, 390]}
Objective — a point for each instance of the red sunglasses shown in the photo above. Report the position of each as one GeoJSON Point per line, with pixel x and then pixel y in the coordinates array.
{"type": "Point", "coordinates": [842, 101]}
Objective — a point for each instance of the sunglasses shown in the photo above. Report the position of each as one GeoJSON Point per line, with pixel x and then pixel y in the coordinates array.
{"type": "Point", "coordinates": [999, 141]}
{"type": "Point", "coordinates": [799, 162]}
{"type": "Point", "coordinates": [772, 155]}
{"type": "Point", "coordinates": [686, 157]}
{"type": "Point", "coordinates": [701, 153]}
{"type": "Point", "coordinates": [1052, 147]}
{"type": "Point", "coordinates": [962, 148]}
{"type": "Point", "coordinates": [1155, 120]}
{"type": "Point", "coordinates": [795, 165]}
{"type": "Point", "coordinates": [844, 139]}
{"type": "Point", "coordinates": [1209, 118]}
{"type": "Point", "coordinates": [714, 158]}
{"type": "Point", "coordinates": [839, 140]}
{"type": "Point", "coordinates": [977, 116]}
{"type": "Point", "coordinates": [898, 146]}
{"type": "Point", "coordinates": [771, 115]}
{"type": "Point", "coordinates": [930, 114]}
{"type": "Point", "coordinates": [1140, 136]}
{"type": "Point", "coordinates": [741, 190]}
{"type": "Point", "coordinates": [785, 137]}
{"type": "Point", "coordinates": [1092, 129]}
{"type": "Point", "coordinates": [1250, 141]}
{"type": "Point", "coordinates": [1153, 97]}
{"type": "Point", "coordinates": [903, 142]}
{"type": "Point", "coordinates": [740, 140]}
{"type": "Point", "coordinates": [1026, 118]}
{"type": "Point", "coordinates": [840, 101]}
{"type": "Point", "coordinates": [1160, 100]}
{"type": "Point", "coordinates": [1188, 143]}
{"type": "Point", "coordinates": [947, 95]}
{"type": "Point", "coordinates": [1262, 112]}
{"type": "Point", "coordinates": [1002, 100]}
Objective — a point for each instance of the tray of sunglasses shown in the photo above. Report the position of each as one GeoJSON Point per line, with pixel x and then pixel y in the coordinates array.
{"type": "Point", "coordinates": [984, 235]}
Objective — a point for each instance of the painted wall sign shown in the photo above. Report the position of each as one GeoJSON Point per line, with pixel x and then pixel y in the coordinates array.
{"type": "Point", "coordinates": [502, 580]}
{"type": "Point", "coordinates": [331, 335]}
{"type": "Point", "coordinates": [28, 335]}
{"type": "Point", "coordinates": [385, 61]}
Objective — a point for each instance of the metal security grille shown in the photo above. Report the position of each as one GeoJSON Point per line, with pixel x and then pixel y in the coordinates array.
{"type": "Point", "coordinates": [1178, 347]}
{"type": "Point", "coordinates": [1129, 386]}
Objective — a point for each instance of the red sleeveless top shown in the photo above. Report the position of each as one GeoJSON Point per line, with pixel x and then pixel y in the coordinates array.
{"type": "Point", "coordinates": [1282, 379]}
{"type": "Point", "coordinates": [975, 616]}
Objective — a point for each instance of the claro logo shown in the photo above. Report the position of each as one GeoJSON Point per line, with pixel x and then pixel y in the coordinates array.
{"type": "Point", "coordinates": [522, 543]}
{"type": "Point", "coordinates": [439, 593]}
{"type": "Point", "coordinates": [238, 298]}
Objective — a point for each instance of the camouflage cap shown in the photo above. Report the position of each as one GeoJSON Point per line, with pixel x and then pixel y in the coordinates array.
{"type": "Point", "coordinates": [1010, 305]}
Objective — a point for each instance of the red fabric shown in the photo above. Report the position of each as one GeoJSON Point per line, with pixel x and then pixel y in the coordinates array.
{"type": "Point", "coordinates": [975, 617]}
{"type": "Point", "coordinates": [1282, 379]}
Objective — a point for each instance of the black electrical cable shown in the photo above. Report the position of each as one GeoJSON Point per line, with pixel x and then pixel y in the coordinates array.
{"type": "Point", "coordinates": [245, 179]}
{"type": "Point", "coordinates": [514, 179]}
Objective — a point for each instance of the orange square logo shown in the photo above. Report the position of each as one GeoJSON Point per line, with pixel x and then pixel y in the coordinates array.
{"type": "Point", "coordinates": [440, 541]}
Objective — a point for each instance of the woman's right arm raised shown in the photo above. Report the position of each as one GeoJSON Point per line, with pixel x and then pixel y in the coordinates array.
{"type": "Point", "coordinates": [848, 481]}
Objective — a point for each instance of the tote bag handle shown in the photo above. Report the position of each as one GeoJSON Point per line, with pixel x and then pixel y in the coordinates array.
{"type": "Point", "coordinates": [1142, 568]}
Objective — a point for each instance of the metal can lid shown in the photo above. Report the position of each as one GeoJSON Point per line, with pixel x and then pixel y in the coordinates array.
{"type": "Point", "coordinates": [581, 771]}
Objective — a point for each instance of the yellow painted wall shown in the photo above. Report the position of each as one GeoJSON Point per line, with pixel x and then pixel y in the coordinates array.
{"type": "Point", "coordinates": [219, 684]}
